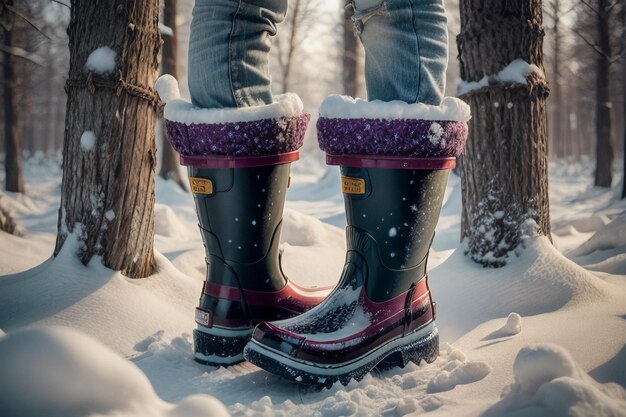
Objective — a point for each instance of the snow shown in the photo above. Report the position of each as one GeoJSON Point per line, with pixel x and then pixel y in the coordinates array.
{"type": "Point", "coordinates": [181, 110]}
{"type": "Point", "coordinates": [609, 236]}
{"type": "Point", "coordinates": [345, 107]}
{"type": "Point", "coordinates": [109, 215]}
{"type": "Point", "coordinates": [60, 372]}
{"type": "Point", "coordinates": [514, 73]}
{"type": "Point", "coordinates": [568, 359]}
{"type": "Point", "coordinates": [435, 133]}
{"type": "Point", "coordinates": [456, 373]}
{"type": "Point", "coordinates": [512, 326]}
{"type": "Point", "coordinates": [549, 382]}
{"type": "Point", "coordinates": [87, 140]}
{"type": "Point", "coordinates": [165, 30]}
{"type": "Point", "coordinates": [101, 61]}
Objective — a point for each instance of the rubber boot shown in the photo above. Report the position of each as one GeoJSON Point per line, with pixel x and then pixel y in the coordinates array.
{"type": "Point", "coordinates": [394, 175]}
{"type": "Point", "coordinates": [381, 313]}
{"type": "Point", "coordinates": [240, 215]}
{"type": "Point", "coordinates": [238, 161]}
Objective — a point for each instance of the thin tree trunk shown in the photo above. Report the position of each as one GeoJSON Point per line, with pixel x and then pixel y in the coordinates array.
{"type": "Point", "coordinates": [505, 182]}
{"type": "Point", "coordinates": [12, 131]}
{"type": "Point", "coordinates": [350, 56]}
{"type": "Point", "coordinates": [291, 48]}
{"type": "Point", "coordinates": [624, 91]}
{"type": "Point", "coordinates": [107, 198]}
{"type": "Point", "coordinates": [170, 168]}
{"type": "Point", "coordinates": [604, 145]}
{"type": "Point", "coordinates": [558, 140]}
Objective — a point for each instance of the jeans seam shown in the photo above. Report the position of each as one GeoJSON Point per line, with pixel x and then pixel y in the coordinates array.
{"type": "Point", "coordinates": [230, 55]}
{"type": "Point", "coordinates": [419, 58]}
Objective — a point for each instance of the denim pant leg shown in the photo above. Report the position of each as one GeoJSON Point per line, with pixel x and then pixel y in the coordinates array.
{"type": "Point", "coordinates": [406, 49]}
{"type": "Point", "coordinates": [229, 48]}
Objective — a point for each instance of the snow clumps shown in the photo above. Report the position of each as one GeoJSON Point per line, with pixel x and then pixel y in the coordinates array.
{"type": "Point", "coordinates": [457, 371]}
{"type": "Point", "coordinates": [60, 372]}
{"type": "Point", "coordinates": [167, 87]}
{"type": "Point", "coordinates": [177, 109]}
{"type": "Point", "coordinates": [346, 107]}
{"type": "Point", "coordinates": [514, 73]}
{"type": "Point", "coordinates": [101, 61]}
{"type": "Point", "coordinates": [548, 382]}
{"type": "Point", "coordinates": [512, 326]}
{"type": "Point", "coordinates": [87, 140]}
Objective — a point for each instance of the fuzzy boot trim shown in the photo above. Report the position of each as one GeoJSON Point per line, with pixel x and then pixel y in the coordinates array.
{"type": "Point", "coordinates": [392, 137]}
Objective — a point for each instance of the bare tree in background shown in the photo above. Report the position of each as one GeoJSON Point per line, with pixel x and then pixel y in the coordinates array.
{"type": "Point", "coordinates": [295, 30]}
{"type": "Point", "coordinates": [505, 181]}
{"type": "Point", "coordinates": [623, 20]}
{"type": "Point", "coordinates": [557, 109]}
{"type": "Point", "coordinates": [9, 14]}
{"type": "Point", "coordinates": [170, 168]}
{"type": "Point", "coordinates": [352, 70]}
{"type": "Point", "coordinates": [109, 159]}
{"type": "Point", "coordinates": [604, 145]}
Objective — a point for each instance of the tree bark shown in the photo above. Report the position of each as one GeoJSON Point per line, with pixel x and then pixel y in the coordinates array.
{"type": "Point", "coordinates": [170, 168]}
{"type": "Point", "coordinates": [624, 91]}
{"type": "Point", "coordinates": [504, 181]}
{"type": "Point", "coordinates": [107, 199]}
{"type": "Point", "coordinates": [12, 131]}
{"type": "Point", "coordinates": [559, 144]}
{"type": "Point", "coordinates": [604, 145]}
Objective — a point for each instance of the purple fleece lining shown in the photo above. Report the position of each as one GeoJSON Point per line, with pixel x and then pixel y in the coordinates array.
{"type": "Point", "coordinates": [392, 137]}
{"type": "Point", "coordinates": [255, 138]}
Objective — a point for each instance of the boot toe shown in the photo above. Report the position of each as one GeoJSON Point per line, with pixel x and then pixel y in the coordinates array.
{"type": "Point", "coordinates": [278, 339]}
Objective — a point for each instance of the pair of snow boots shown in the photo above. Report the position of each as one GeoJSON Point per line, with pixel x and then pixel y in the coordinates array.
{"type": "Point", "coordinates": [393, 172]}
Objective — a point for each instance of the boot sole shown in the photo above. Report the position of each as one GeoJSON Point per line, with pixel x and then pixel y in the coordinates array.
{"type": "Point", "coordinates": [423, 344]}
{"type": "Point", "coordinates": [217, 346]}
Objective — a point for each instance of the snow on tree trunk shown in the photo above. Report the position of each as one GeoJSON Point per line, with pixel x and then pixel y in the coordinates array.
{"type": "Point", "coordinates": [505, 182]}
{"type": "Point", "coordinates": [109, 160]}
{"type": "Point", "coordinates": [12, 131]}
{"type": "Point", "coordinates": [170, 168]}
{"type": "Point", "coordinates": [604, 145]}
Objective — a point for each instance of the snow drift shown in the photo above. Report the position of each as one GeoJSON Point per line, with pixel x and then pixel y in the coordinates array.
{"type": "Point", "coordinates": [52, 372]}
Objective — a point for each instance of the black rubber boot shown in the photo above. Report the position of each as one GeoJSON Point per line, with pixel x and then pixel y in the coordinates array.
{"type": "Point", "coordinates": [240, 214]}
{"type": "Point", "coordinates": [381, 313]}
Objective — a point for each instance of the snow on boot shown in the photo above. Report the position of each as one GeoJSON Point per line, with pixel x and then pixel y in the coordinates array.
{"type": "Point", "coordinates": [238, 163]}
{"type": "Point", "coordinates": [394, 170]}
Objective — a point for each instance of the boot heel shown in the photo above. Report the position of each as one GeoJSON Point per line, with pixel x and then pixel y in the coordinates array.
{"type": "Point", "coordinates": [424, 349]}
{"type": "Point", "coordinates": [219, 346]}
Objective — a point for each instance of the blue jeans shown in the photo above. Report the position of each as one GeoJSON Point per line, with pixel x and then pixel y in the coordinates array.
{"type": "Point", "coordinates": [405, 41]}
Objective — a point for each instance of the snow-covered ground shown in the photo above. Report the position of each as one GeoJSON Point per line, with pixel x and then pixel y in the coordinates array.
{"type": "Point", "coordinates": [543, 336]}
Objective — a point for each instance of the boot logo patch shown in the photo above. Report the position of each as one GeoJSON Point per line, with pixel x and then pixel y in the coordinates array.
{"type": "Point", "coordinates": [204, 318]}
{"type": "Point", "coordinates": [201, 185]}
{"type": "Point", "coordinates": [351, 185]}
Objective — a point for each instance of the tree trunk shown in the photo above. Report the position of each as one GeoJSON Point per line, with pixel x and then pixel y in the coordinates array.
{"type": "Point", "coordinates": [12, 131]}
{"type": "Point", "coordinates": [604, 145]}
{"type": "Point", "coordinates": [505, 181]}
{"type": "Point", "coordinates": [558, 141]}
{"type": "Point", "coordinates": [350, 56]}
{"type": "Point", "coordinates": [107, 199]}
{"type": "Point", "coordinates": [170, 168]}
{"type": "Point", "coordinates": [623, 18]}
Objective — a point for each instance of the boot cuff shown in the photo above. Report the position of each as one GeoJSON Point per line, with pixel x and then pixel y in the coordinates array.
{"type": "Point", "coordinates": [271, 129]}
{"type": "Point", "coordinates": [395, 129]}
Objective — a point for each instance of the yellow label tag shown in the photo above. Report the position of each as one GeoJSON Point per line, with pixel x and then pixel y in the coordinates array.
{"type": "Point", "coordinates": [351, 185]}
{"type": "Point", "coordinates": [201, 185]}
